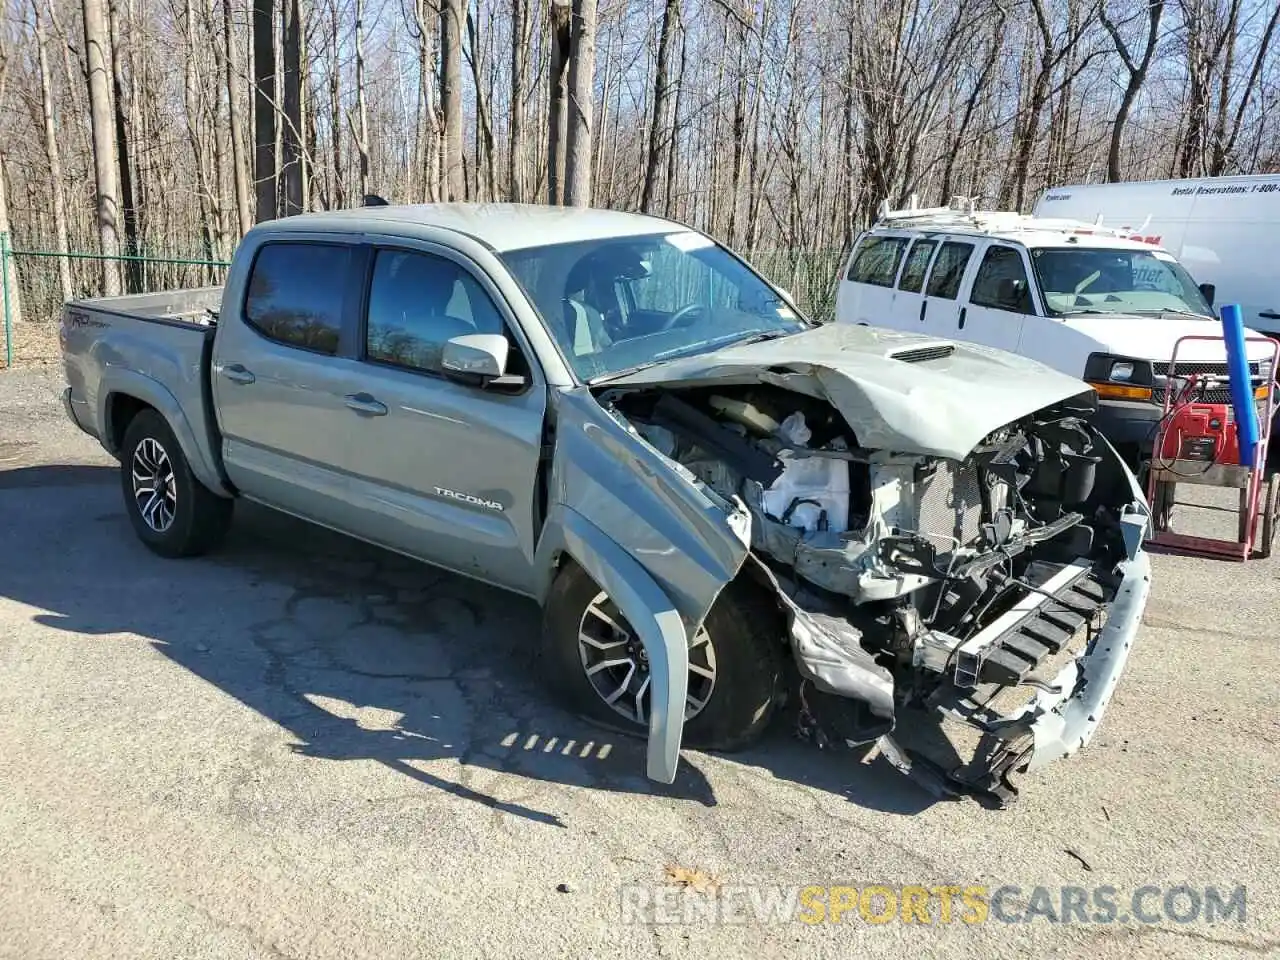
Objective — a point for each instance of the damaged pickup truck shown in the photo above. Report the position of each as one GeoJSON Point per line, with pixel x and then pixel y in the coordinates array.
{"type": "Point", "coordinates": [921, 546]}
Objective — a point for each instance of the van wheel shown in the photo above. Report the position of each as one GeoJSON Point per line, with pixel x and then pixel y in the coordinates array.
{"type": "Point", "coordinates": [172, 512]}
{"type": "Point", "coordinates": [594, 659]}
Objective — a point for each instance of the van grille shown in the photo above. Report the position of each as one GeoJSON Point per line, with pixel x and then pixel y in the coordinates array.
{"type": "Point", "coordinates": [1217, 394]}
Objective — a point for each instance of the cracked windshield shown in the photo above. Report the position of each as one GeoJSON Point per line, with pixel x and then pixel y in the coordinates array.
{"type": "Point", "coordinates": [618, 304]}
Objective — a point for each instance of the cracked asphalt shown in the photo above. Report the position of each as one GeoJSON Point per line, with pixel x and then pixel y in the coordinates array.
{"type": "Point", "coordinates": [304, 747]}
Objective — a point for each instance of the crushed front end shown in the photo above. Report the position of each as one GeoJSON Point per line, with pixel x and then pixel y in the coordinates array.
{"type": "Point", "coordinates": [969, 618]}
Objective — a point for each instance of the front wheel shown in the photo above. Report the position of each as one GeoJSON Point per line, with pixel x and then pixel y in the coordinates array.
{"type": "Point", "coordinates": [172, 512]}
{"type": "Point", "coordinates": [595, 660]}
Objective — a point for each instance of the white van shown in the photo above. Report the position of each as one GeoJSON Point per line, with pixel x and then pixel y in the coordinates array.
{"type": "Point", "coordinates": [1087, 301]}
{"type": "Point", "coordinates": [1224, 230]}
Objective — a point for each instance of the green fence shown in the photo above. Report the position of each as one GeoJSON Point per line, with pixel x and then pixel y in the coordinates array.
{"type": "Point", "coordinates": [32, 288]}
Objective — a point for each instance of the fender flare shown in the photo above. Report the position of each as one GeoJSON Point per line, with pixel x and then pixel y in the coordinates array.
{"type": "Point", "coordinates": [651, 614]}
{"type": "Point", "coordinates": [130, 383]}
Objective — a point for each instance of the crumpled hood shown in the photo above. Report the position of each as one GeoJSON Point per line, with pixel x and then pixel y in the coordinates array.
{"type": "Point", "coordinates": [939, 406]}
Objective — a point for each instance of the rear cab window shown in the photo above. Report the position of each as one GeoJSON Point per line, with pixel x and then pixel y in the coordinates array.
{"type": "Point", "coordinates": [296, 292]}
{"type": "Point", "coordinates": [877, 260]}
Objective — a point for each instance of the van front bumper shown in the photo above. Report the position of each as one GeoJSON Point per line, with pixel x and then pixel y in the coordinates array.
{"type": "Point", "coordinates": [1129, 424]}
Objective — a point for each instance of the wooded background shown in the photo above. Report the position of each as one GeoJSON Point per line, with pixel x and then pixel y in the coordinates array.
{"type": "Point", "coordinates": [167, 127]}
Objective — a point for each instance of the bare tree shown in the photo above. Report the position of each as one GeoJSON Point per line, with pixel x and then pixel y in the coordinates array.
{"type": "Point", "coordinates": [582, 71]}
{"type": "Point", "coordinates": [558, 95]}
{"type": "Point", "coordinates": [264, 109]}
{"type": "Point", "coordinates": [98, 63]}
{"type": "Point", "coordinates": [291, 159]}
{"type": "Point", "coordinates": [52, 152]}
{"type": "Point", "coordinates": [451, 19]}
{"type": "Point", "coordinates": [661, 87]}
{"type": "Point", "coordinates": [519, 69]}
{"type": "Point", "coordinates": [1136, 69]}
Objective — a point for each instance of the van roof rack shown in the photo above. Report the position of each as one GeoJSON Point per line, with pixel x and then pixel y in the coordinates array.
{"type": "Point", "coordinates": [963, 216]}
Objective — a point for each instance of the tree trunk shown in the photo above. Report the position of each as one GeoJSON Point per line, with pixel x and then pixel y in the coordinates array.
{"type": "Point", "coordinates": [451, 19]}
{"type": "Point", "coordinates": [98, 64]}
{"type": "Point", "coordinates": [582, 68]}
{"type": "Point", "coordinates": [53, 154]}
{"type": "Point", "coordinates": [264, 108]}
{"type": "Point", "coordinates": [484, 120]}
{"type": "Point", "coordinates": [428, 142]}
{"type": "Point", "coordinates": [519, 60]}
{"type": "Point", "coordinates": [121, 103]}
{"type": "Point", "coordinates": [661, 85]}
{"type": "Point", "coordinates": [557, 113]}
{"type": "Point", "coordinates": [239, 181]}
{"type": "Point", "coordinates": [291, 159]}
{"type": "Point", "coordinates": [362, 106]}
{"type": "Point", "coordinates": [338, 193]}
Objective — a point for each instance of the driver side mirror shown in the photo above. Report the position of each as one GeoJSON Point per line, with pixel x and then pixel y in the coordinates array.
{"type": "Point", "coordinates": [479, 360]}
{"type": "Point", "coordinates": [1208, 291]}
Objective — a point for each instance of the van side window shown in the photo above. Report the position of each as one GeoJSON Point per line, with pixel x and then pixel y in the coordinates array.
{"type": "Point", "coordinates": [948, 269]}
{"type": "Point", "coordinates": [418, 301]}
{"type": "Point", "coordinates": [1001, 282]}
{"type": "Point", "coordinates": [295, 294]}
{"type": "Point", "coordinates": [877, 261]}
{"type": "Point", "coordinates": [917, 263]}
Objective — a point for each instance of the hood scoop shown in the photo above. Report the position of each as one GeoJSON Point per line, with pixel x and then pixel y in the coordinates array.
{"type": "Point", "coordinates": [935, 351]}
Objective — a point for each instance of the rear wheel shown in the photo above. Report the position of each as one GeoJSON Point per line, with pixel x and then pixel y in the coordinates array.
{"type": "Point", "coordinates": [1269, 508]}
{"type": "Point", "coordinates": [595, 660]}
{"type": "Point", "coordinates": [172, 512]}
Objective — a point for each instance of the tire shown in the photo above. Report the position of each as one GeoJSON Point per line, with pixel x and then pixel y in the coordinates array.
{"type": "Point", "coordinates": [740, 638]}
{"type": "Point", "coordinates": [1162, 507]}
{"type": "Point", "coordinates": [182, 518]}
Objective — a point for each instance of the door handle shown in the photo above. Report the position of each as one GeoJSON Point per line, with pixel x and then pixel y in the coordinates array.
{"type": "Point", "coordinates": [1270, 315]}
{"type": "Point", "coordinates": [363, 403]}
{"type": "Point", "coordinates": [237, 373]}
{"type": "Point", "coordinates": [924, 305]}
{"type": "Point", "coordinates": [962, 312]}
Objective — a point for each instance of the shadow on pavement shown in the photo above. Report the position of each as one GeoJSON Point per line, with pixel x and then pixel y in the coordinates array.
{"type": "Point", "coordinates": [359, 653]}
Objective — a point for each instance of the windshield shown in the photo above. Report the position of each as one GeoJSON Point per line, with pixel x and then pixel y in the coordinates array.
{"type": "Point", "coordinates": [1092, 280]}
{"type": "Point", "coordinates": [620, 303]}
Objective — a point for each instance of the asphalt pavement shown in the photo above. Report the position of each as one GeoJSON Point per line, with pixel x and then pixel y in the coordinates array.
{"type": "Point", "coordinates": [304, 747]}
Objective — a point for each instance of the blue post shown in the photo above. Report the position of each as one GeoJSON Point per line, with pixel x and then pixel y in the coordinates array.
{"type": "Point", "coordinates": [1241, 385]}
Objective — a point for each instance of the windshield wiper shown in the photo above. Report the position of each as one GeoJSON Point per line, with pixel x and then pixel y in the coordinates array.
{"type": "Point", "coordinates": [1178, 313]}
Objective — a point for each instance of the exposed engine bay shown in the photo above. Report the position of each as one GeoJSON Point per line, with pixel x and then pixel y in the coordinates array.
{"type": "Point", "coordinates": [931, 599]}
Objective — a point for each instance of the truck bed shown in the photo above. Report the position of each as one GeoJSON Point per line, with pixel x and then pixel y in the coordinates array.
{"type": "Point", "coordinates": [194, 305]}
{"type": "Point", "coordinates": [152, 347]}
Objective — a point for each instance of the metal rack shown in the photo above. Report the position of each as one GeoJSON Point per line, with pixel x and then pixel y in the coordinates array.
{"type": "Point", "coordinates": [1259, 503]}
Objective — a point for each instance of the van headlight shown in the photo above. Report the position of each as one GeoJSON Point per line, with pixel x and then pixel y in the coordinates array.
{"type": "Point", "coordinates": [1122, 371]}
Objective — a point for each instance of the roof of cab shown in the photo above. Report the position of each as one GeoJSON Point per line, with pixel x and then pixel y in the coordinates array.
{"type": "Point", "coordinates": [501, 226]}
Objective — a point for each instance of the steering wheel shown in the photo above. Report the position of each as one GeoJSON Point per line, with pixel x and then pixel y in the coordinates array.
{"type": "Point", "coordinates": [682, 317]}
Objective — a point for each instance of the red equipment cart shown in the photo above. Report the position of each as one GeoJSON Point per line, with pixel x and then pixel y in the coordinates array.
{"type": "Point", "coordinates": [1196, 443]}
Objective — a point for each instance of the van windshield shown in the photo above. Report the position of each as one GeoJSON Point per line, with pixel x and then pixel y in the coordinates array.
{"type": "Point", "coordinates": [618, 303]}
{"type": "Point", "coordinates": [1095, 280]}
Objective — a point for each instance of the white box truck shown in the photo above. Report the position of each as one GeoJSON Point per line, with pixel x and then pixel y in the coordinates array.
{"type": "Point", "coordinates": [1224, 230]}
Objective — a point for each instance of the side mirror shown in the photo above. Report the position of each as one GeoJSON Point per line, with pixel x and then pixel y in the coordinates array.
{"type": "Point", "coordinates": [479, 360]}
{"type": "Point", "coordinates": [1208, 291]}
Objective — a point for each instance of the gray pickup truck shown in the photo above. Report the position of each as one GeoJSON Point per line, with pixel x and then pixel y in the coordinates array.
{"type": "Point", "coordinates": [918, 545]}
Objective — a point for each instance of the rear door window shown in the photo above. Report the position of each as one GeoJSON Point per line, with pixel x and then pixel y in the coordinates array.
{"type": "Point", "coordinates": [296, 294]}
{"type": "Point", "coordinates": [917, 265]}
{"type": "Point", "coordinates": [948, 269]}
{"type": "Point", "coordinates": [877, 260]}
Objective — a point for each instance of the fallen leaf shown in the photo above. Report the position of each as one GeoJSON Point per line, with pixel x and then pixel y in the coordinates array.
{"type": "Point", "coordinates": [692, 877]}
